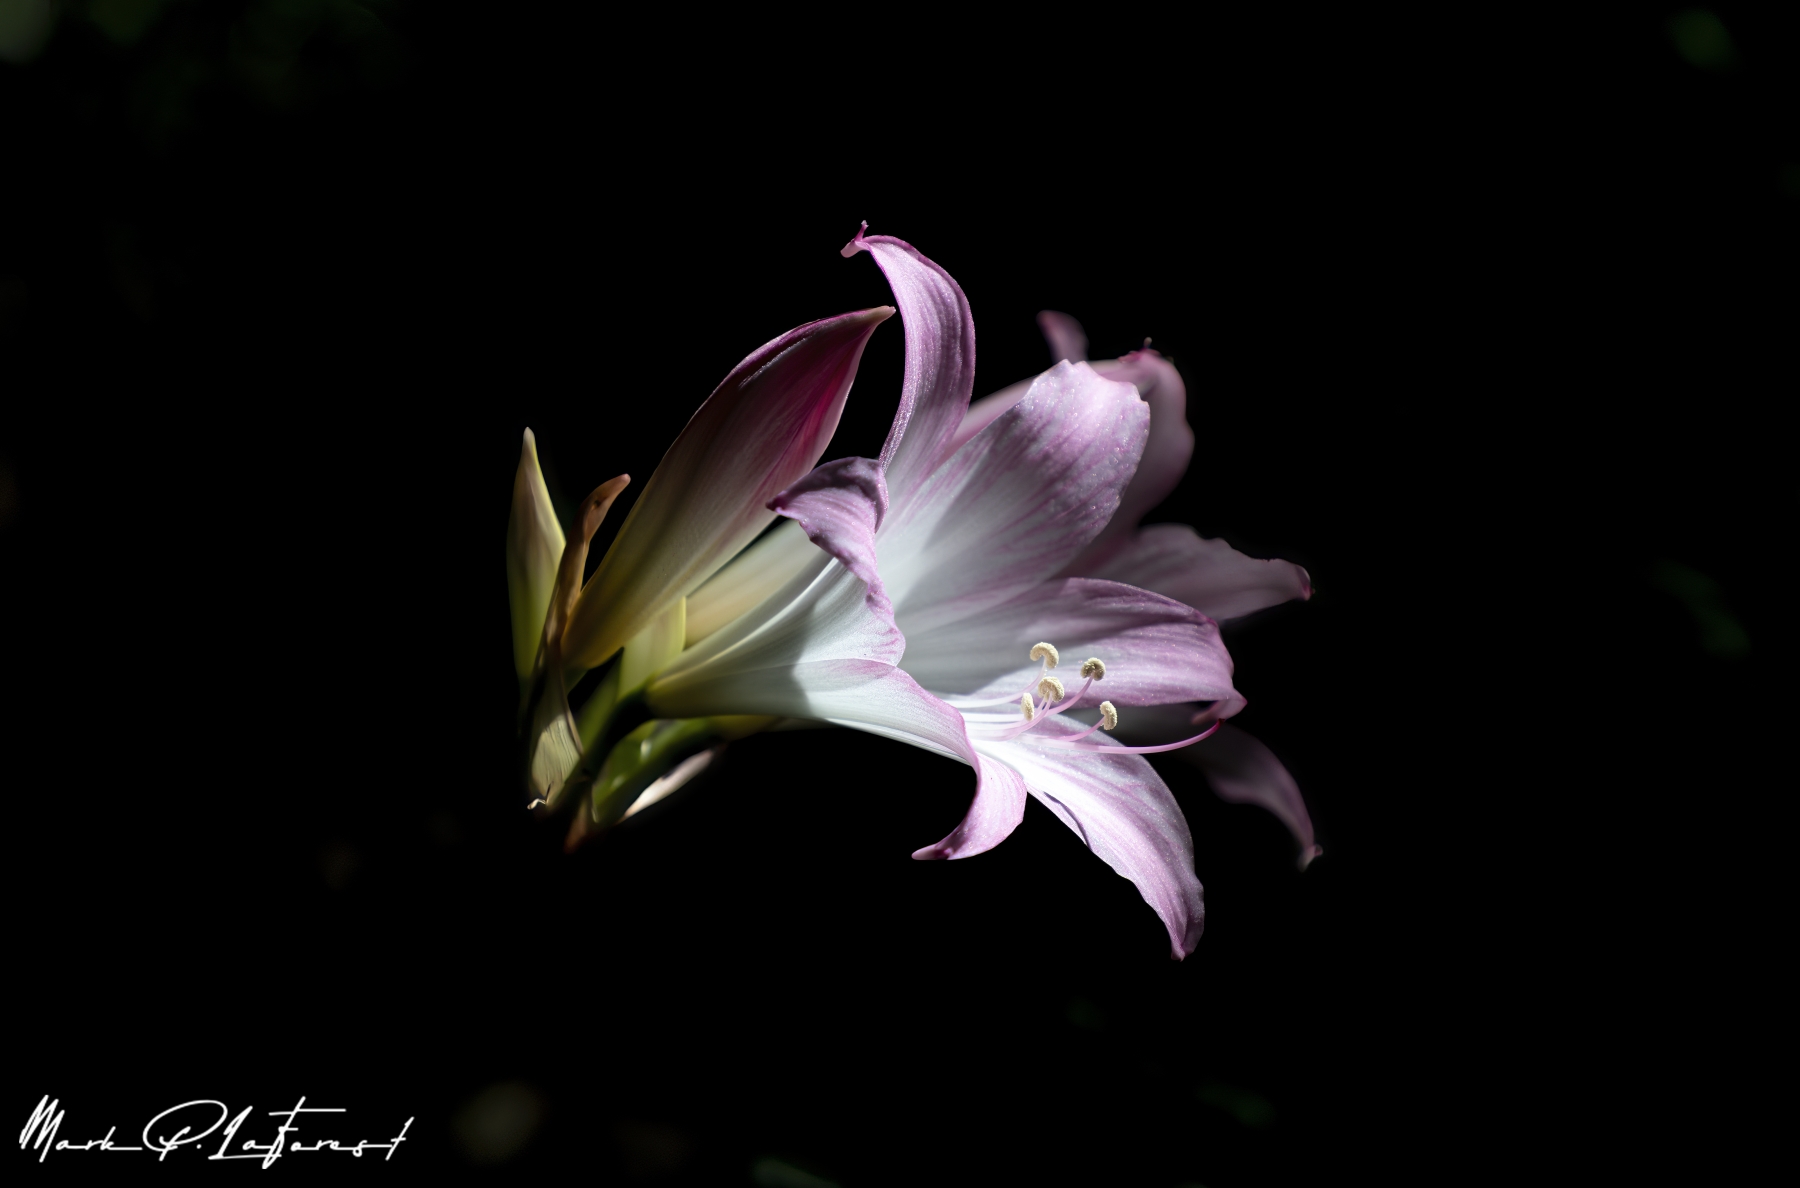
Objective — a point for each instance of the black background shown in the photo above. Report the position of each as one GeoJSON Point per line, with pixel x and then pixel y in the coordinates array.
{"type": "Point", "coordinates": [1480, 324]}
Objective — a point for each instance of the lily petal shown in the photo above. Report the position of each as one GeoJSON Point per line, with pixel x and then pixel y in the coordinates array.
{"type": "Point", "coordinates": [1156, 650]}
{"type": "Point", "coordinates": [835, 609]}
{"type": "Point", "coordinates": [774, 560]}
{"type": "Point", "coordinates": [862, 696]}
{"type": "Point", "coordinates": [1166, 453]}
{"type": "Point", "coordinates": [825, 648]}
{"type": "Point", "coordinates": [1124, 813]}
{"type": "Point", "coordinates": [1208, 575]}
{"type": "Point", "coordinates": [823, 615]}
{"type": "Point", "coordinates": [1244, 771]}
{"type": "Point", "coordinates": [840, 506]}
{"type": "Point", "coordinates": [940, 360]}
{"type": "Point", "coordinates": [650, 650]}
{"type": "Point", "coordinates": [1068, 341]}
{"type": "Point", "coordinates": [876, 698]}
{"type": "Point", "coordinates": [987, 410]}
{"type": "Point", "coordinates": [534, 546]}
{"type": "Point", "coordinates": [1240, 769]}
{"type": "Point", "coordinates": [763, 428]}
{"type": "Point", "coordinates": [996, 811]}
{"type": "Point", "coordinates": [867, 695]}
{"type": "Point", "coordinates": [1015, 504]}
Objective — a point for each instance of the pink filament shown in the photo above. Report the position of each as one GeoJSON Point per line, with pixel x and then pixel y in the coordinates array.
{"type": "Point", "coordinates": [1083, 734]}
{"type": "Point", "coordinates": [1067, 703]}
{"type": "Point", "coordinates": [1073, 745]}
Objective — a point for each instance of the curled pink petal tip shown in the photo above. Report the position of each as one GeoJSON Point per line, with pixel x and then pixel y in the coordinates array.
{"type": "Point", "coordinates": [1308, 854]}
{"type": "Point", "coordinates": [1064, 334]}
{"type": "Point", "coordinates": [857, 245]}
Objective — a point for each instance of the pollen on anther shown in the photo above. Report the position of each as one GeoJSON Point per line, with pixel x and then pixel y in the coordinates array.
{"type": "Point", "coordinates": [1047, 653]}
{"type": "Point", "coordinates": [1051, 689]}
{"type": "Point", "coordinates": [1093, 667]}
{"type": "Point", "coordinates": [1026, 707]}
{"type": "Point", "coordinates": [1109, 717]}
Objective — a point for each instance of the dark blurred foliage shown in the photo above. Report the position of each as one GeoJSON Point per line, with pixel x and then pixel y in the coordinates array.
{"type": "Point", "coordinates": [1482, 323]}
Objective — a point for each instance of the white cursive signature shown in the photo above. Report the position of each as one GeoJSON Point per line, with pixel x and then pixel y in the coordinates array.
{"type": "Point", "coordinates": [192, 1123]}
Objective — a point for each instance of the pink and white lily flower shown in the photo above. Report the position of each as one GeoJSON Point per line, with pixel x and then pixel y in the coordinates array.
{"type": "Point", "coordinates": [925, 595]}
{"type": "Point", "coordinates": [937, 601]}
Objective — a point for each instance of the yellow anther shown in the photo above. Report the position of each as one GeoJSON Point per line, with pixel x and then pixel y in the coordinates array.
{"type": "Point", "coordinates": [1027, 708]}
{"type": "Point", "coordinates": [1047, 653]}
{"type": "Point", "coordinates": [1093, 667]}
{"type": "Point", "coordinates": [1109, 717]}
{"type": "Point", "coordinates": [1051, 690]}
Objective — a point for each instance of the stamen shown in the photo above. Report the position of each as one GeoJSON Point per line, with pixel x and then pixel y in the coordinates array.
{"type": "Point", "coordinates": [1069, 703]}
{"type": "Point", "coordinates": [1041, 651]}
{"type": "Point", "coordinates": [1056, 700]}
{"type": "Point", "coordinates": [1109, 717]}
{"type": "Point", "coordinates": [1035, 717]}
{"type": "Point", "coordinates": [1030, 723]}
{"type": "Point", "coordinates": [1071, 744]}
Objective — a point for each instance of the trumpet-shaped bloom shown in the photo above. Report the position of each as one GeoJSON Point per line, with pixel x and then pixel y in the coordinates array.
{"type": "Point", "coordinates": [926, 595]}
{"type": "Point", "coordinates": [763, 428]}
{"type": "Point", "coordinates": [939, 569]}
